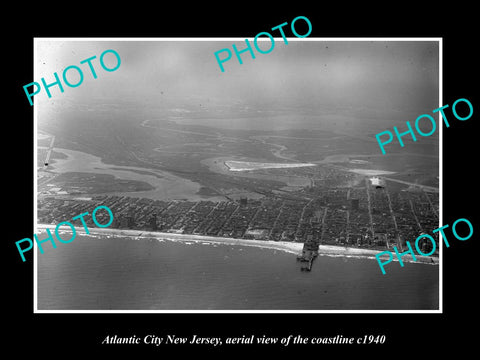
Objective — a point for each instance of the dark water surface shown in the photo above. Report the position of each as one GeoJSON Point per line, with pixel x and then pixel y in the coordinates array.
{"type": "Point", "coordinates": [119, 273]}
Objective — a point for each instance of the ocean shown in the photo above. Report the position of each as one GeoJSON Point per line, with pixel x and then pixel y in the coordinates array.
{"type": "Point", "coordinates": [125, 273]}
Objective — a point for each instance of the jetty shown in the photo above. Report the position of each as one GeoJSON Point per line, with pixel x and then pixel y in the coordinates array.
{"type": "Point", "coordinates": [309, 253]}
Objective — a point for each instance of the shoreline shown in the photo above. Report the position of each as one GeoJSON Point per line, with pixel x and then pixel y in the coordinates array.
{"type": "Point", "coordinates": [286, 246]}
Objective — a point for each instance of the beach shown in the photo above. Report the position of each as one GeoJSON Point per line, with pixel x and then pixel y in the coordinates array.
{"type": "Point", "coordinates": [285, 246]}
{"type": "Point", "coordinates": [121, 272]}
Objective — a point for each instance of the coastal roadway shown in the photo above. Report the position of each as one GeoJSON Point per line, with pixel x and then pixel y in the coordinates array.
{"type": "Point", "coordinates": [423, 187]}
{"type": "Point", "coordinates": [49, 152]}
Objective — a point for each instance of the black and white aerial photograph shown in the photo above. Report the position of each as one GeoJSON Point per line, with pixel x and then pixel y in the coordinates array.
{"type": "Point", "coordinates": [258, 188]}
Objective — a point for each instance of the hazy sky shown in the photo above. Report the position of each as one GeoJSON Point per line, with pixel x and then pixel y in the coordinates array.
{"type": "Point", "coordinates": [383, 74]}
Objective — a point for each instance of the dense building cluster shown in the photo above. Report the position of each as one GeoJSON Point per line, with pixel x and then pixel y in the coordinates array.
{"type": "Point", "coordinates": [362, 216]}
